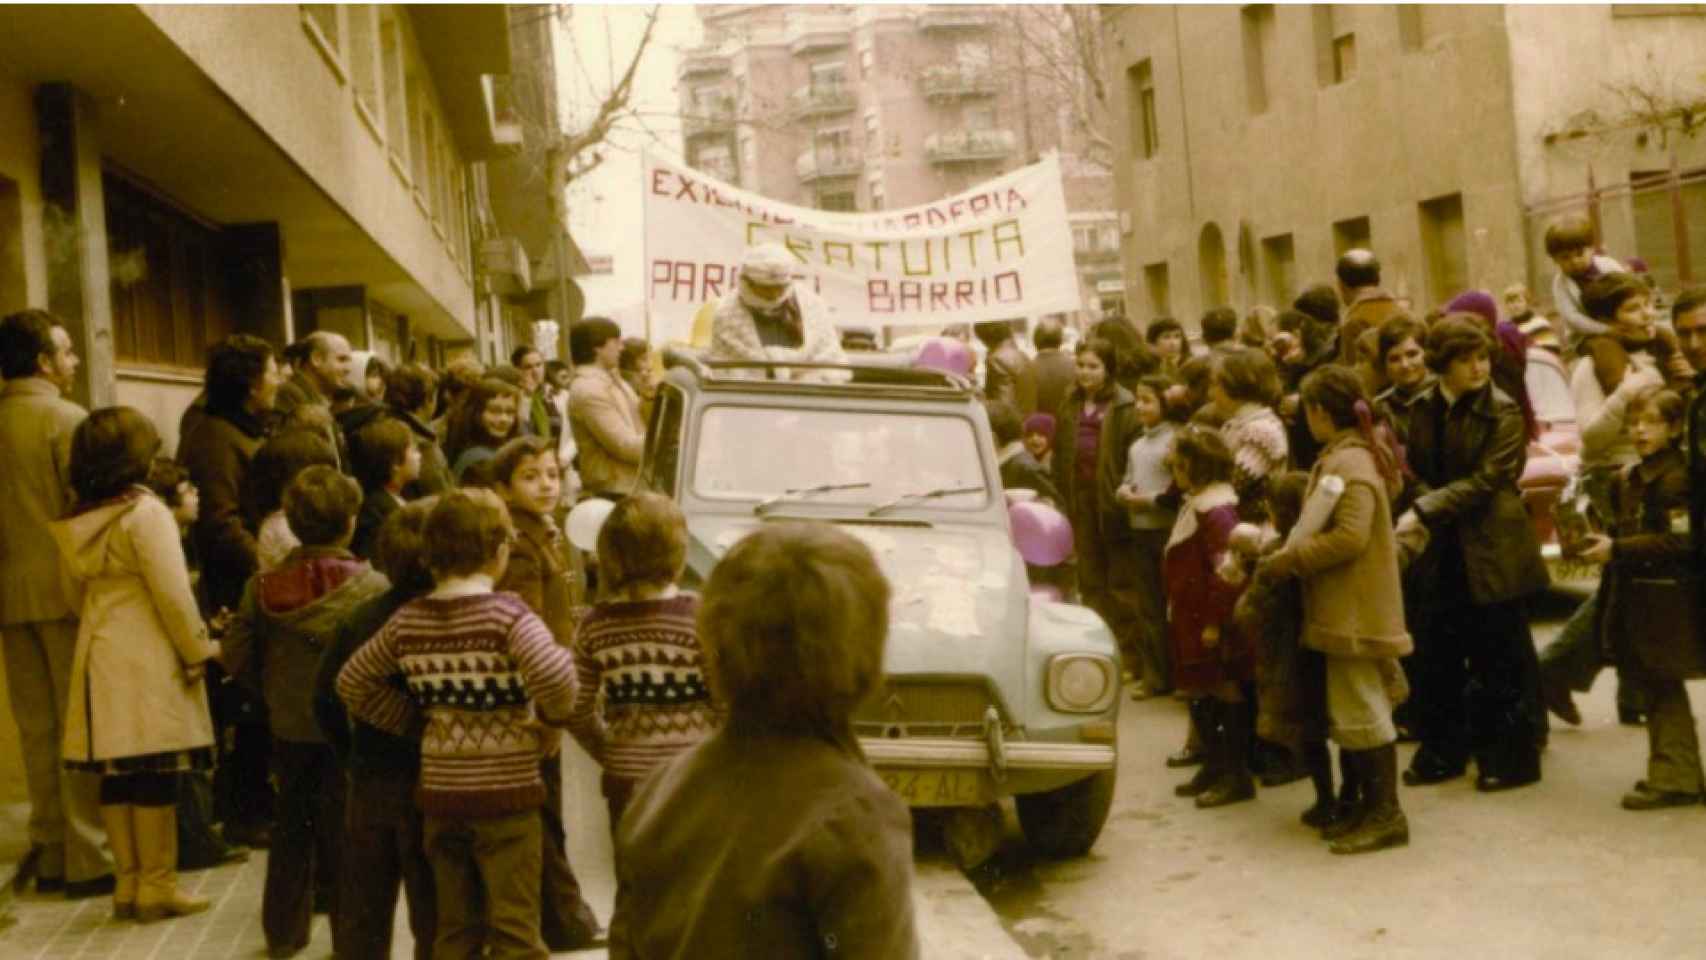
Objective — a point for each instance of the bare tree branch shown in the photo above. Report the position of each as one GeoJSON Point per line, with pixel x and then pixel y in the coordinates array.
{"type": "Point", "coordinates": [578, 149]}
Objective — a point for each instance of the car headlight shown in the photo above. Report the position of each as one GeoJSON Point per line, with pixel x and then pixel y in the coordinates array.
{"type": "Point", "coordinates": [1082, 683]}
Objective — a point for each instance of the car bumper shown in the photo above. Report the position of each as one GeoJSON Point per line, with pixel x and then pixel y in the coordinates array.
{"type": "Point", "coordinates": [964, 773]}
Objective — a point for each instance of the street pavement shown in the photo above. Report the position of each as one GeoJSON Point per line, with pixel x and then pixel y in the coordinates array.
{"type": "Point", "coordinates": [1556, 870]}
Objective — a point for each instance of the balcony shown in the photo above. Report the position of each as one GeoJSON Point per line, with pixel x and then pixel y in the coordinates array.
{"type": "Point", "coordinates": [815, 165]}
{"type": "Point", "coordinates": [507, 129]}
{"type": "Point", "coordinates": [815, 33]}
{"type": "Point", "coordinates": [1095, 254]}
{"type": "Point", "coordinates": [822, 100]}
{"type": "Point", "coordinates": [936, 17]}
{"type": "Point", "coordinates": [969, 146]}
{"type": "Point", "coordinates": [952, 81]}
{"type": "Point", "coordinates": [702, 62]}
{"type": "Point", "coordinates": [716, 118]}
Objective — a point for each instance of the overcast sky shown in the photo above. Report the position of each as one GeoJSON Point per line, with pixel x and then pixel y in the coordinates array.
{"type": "Point", "coordinates": [604, 207]}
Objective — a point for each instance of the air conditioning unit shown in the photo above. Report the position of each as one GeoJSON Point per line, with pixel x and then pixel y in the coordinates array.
{"type": "Point", "coordinates": [503, 260]}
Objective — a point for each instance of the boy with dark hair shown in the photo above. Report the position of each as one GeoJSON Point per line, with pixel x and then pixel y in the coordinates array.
{"type": "Point", "coordinates": [1019, 469]}
{"type": "Point", "coordinates": [542, 572]}
{"type": "Point", "coordinates": [1220, 329]}
{"type": "Point", "coordinates": [480, 790]}
{"type": "Point", "coordinates": [382, 841]}
{"type": "Point", "coordinates": [386, 459]}
{"type": "Point", "coordinates": [274, 643]}
{"type": "Point", "coordinates": [1570, 244]}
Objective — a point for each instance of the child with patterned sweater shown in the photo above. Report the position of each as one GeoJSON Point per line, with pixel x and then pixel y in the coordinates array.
{"type": "Point", "coordinates": [485, 672]}
{"type": "Point", "coordinates": [642, 697]}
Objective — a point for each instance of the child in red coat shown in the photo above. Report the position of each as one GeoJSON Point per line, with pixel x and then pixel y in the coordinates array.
{"type": "Point", "coordinates": [1211, 661]}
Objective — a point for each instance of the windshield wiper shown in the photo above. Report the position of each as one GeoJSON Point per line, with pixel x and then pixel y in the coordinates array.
{"type": "Point", "coordinates": [769, 503]}
{"type": "Point", "coordinates": [882, 508]}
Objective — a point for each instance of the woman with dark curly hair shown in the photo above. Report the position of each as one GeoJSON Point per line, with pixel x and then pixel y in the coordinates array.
{"type": "Point", "coordinates": [486, 418]}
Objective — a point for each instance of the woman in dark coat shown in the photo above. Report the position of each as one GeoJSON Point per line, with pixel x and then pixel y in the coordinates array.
{"type": "Point", "coordinates": [1093, 434]}
{"type": "Point", "coordinates": [1477, 680]}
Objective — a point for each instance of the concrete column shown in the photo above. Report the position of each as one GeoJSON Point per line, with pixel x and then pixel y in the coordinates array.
{"type": "Point", "coordinates": [74, 225]}
{"type": "Point", "coordinates": [254, 270]}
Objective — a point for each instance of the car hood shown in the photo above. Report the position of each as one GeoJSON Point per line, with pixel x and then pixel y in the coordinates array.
{"type": "Point", "coordinates": [958, 594]}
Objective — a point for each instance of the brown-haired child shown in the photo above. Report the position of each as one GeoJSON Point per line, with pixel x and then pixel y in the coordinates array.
{"type": "Point", "coordinates": [274, 642]}
{"type": "Point", "coordinates": [542, 572]}
{"type": "Point", "coordinates": [386, 459]}
{"type": "Point", "coordinates": [794, 622]}
{"type": "Point", "coordinates": [643, 697]}
{"type": "Point", "coordinates": [480, 791]}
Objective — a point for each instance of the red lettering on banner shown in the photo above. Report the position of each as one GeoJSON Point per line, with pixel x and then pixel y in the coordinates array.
{"type": "Point", "coordinates": [979, 204]}
{"type": "Point", "coordinates": [1015, 289]}
{"type": "Point", "coordinates": [686, 189]}
{"type": "Point", "coordinates": [877, 296]}
{"type": "Point", "coordinates": [912, 220]}
{"type": "Point", "coordinates": [712, 281]}
{"type": "Point", "coordinates": [659, 179]}
{"type": "Point", "coordinates": [1014, 196]}
{"type": "Point", "coordinates": [684, 274]}
{"type": "Point", "coordinates": [939, 295]}
{"type": "Point", "coordinates": [911, 291]}
{"type": "Point", "coordinates": [661, 273]}
{"type": "Point", "coordinates": [963, 290]}
{"type": "Point", "coordinates": [935, 217]}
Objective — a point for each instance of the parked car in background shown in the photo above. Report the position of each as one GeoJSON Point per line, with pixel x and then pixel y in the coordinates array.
{"type": "Point", "coordinates": [991, 692]}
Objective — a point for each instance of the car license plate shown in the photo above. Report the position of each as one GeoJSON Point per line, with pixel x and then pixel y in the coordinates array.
{"type": "Point", "coordinates": [938, 788]}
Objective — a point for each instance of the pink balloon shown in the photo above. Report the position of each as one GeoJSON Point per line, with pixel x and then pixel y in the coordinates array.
{"type": "Point", "coordinates": [1042, 533]}
{"type": "Point", "coordinates": [947, 355]}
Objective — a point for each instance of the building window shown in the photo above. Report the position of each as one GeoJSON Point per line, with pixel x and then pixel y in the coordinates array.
{"type": "Point", "coordinates": [978, 118]}
{"type": "Point", "coordinates": [829, 76]}
{"type": "Point", "coordinates": [1258, 35]}
{"type": "Point", "coordinates": [168, 293]}
{"type": "Point", "coordinates": [833, 145]}
{"type": "Point", "coordinates": [396, 105]}
{"type": "Point", "coordinates": [1444, 246]}
{"type": "Point", "coordinates": [1140, 89]}
{"type": "Point", "coordinates": [716, 160]}
{"type": "Point", "coordinates": [1352, 234]}
{"type": "Point", "coordinates": [416, 117]}
{"type": "Point", "coordinates": [1155, 282]}
{"type": "Point", "coordinates": [1660, 239]}
{"type": "Point", "coordinates": [321, 22]}
{"type": "Point", "coordinates": [1335, 44]}
{"type": "Point", "coordinates": [1411, 33]}
{"type": "Point", "coordinates": [972, 53]}
{"type": "Point", "coordinates": [1279, 267]}
{"type": "Point", "coordinates": [365, 61]}
{"type": "Point", "coordinates": [843, 201]}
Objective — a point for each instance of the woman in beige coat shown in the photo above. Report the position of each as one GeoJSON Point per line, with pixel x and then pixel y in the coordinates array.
{"type": "Point", "coordinates": [1353, 605]}
{"type": "Point", "coordinates": [138, 711]}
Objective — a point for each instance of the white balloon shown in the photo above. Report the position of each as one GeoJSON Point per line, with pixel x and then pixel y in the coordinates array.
{"type": "Point", "coordinates": [586, 519]}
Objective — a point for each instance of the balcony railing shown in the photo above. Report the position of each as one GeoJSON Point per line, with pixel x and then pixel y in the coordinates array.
{"type": "Point", "coordinates": [959, 146]}
{"type": "Point", "coordinates": [820, 100]}
{"type": "Point", "coordinates": [948, 81]}
{"type": "Point", "coordinates": [824, 164]}
{"type": "Point", "coordinates": [1095, 254]}
{"type": "Point", "coordinates": [703, 61]}
{"type": "Point", "coordinates": [938, 17]}
{"type": "Point", "coordinates": [708, 119]}
{"type": "Point", "coordinates": [807, 34]}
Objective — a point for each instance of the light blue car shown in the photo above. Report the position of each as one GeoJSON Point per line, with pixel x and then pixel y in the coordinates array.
{"type": "Point", "coordinates": [991, 692]}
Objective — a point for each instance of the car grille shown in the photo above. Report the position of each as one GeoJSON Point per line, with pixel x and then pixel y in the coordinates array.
{"type": "Point", "coordinates": [930, 708]}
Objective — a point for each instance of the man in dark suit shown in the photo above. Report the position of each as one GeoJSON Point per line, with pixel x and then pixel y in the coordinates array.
{"type": "Point", "coordinates": [1055, 368]}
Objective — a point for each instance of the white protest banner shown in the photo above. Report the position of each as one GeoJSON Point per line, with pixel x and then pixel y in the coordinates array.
{"type": "Point", "coordinates": [998, 251]}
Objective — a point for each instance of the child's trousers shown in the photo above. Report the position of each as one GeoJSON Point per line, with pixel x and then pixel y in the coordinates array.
{"type": "Point", "coordinates": [486, 872]}
{"type": "Point", "coordinates": [306, 837]}
{"type": "Point", "coordinates": [383, 849]}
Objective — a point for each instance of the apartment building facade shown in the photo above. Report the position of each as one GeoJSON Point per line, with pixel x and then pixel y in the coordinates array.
{"type": "Point", "coordinates": [1258, 142]}
{"type": "Point", "coordinates": [874, 107]}
{"type": "Point", "coordinates": [173, 174]}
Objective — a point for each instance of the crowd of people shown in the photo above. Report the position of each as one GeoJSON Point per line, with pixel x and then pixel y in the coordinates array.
{"type": "Point", "coordinates": [1312, 529]}
{"type": "Point", "coordinates": [344, 620]}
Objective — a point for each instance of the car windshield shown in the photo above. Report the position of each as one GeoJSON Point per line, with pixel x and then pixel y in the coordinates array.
{"type": "Point", "coordinates": [1549, 393]}
{"type": "Point", "coordinates": [756, 453]}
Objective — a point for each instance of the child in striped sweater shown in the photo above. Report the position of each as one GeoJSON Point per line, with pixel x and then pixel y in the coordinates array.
{"type": "Point", "coordinates": [484, 672]}
{"type": "Point", "coordinates": [643, 697]}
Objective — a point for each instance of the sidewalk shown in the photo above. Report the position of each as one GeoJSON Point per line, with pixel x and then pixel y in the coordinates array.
{"type": "Point", "coordinates": [954, 922]}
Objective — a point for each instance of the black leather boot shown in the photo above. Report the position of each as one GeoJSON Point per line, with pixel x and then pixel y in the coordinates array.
{"type": "Point", "coordinates": [1232, 749]}
{"type": "Point", "coordinates": [1383, 822]}
{"type": "Point", "coordinates": [1205, 727]}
